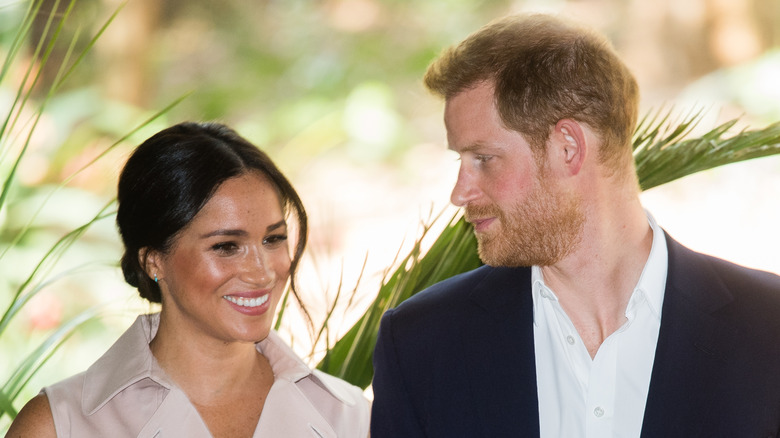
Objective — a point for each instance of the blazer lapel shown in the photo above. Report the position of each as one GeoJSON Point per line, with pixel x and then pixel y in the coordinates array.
{"type": "Point", "coordinates": [498, 345]}
{"type": "Point", "coordinates": [691, 343]}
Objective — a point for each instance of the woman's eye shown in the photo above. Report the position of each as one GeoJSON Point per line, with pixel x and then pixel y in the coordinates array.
{"type": "Point", "coordinates": [275, 240]}
{"type": "Point", "coordinates": [225, 247]}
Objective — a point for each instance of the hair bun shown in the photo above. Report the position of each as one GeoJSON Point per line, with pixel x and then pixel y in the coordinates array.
{"type": "Point", "coordinates": [130, 272]}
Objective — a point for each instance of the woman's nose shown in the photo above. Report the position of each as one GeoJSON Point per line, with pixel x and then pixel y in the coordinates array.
{"type": "Point", "coordinates": [256, 268]}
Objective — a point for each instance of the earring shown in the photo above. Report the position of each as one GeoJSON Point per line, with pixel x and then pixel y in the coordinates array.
{"type": "Point", "coordinates": [155, 278]}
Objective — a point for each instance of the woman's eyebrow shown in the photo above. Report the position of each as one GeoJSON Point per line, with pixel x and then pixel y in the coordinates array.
{"type": "Point", "coordinates": [280, 224]}
{"type": "Point", "coordinates": [241, 233]}
{"type": "Point", "coordinates": [224, 232]}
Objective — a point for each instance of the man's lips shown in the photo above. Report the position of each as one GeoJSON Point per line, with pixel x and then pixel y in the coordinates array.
{"type": "Point", "coordinates": [481, 224]}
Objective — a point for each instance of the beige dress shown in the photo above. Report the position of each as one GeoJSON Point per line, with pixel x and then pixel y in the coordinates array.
{"type": "Point", "coordinates": [126, 394]}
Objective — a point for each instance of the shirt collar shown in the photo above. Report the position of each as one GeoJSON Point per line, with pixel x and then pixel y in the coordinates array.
{"type": "Point", "coordinates": [539, 291]}
{"type": "Point", "coordinates": [651, 284]}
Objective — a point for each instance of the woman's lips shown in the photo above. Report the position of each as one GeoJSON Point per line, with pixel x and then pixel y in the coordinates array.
{"type": "Point", "coordinates": [250, 303]}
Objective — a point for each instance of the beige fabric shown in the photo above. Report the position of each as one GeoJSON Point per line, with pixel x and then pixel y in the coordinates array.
{"type": "Point", "coordinates": [126, 394]}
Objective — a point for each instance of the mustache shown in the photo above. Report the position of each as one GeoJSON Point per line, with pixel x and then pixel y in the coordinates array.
{"type": "Point", "coordinates": [474, 212]}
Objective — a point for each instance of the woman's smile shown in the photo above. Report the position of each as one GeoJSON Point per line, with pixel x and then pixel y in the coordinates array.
{"type": "Point", "coordinates": [228, 269]}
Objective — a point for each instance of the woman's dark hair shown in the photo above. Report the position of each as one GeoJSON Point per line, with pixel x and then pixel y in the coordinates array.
{"type": "Point", "coordinates": [170, 177]}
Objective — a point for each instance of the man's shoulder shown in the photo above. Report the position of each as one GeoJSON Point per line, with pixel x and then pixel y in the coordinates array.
{"type": "Point", "coordinates": [432, 324]}
{"type": "Point", "coordinates": [457, 287]}
{"type": "Point", "coordinates": [719, 327]}
{"type": "Point", "coordinates": [743, 277]}
{"type": "Point", "coordinates": [691, 267]}
{"type": "Point", "coordinates": [744, 299]}
{"type": "Point", "coordinates": [483, 285]}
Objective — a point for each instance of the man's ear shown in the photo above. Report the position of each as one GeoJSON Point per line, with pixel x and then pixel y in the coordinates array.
{"type": "Point", "coordinates": [571, 145]}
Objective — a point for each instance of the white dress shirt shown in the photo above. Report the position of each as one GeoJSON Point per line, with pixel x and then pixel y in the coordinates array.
{"type": "Point", "coordinates": [605, 396]}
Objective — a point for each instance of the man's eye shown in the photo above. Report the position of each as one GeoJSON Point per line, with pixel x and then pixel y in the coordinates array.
{"type": "Point", "coordinates": [483, 158]}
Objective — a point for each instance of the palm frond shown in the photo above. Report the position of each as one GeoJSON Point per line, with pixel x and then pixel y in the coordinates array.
{"type": "Point", "coordinates": [44, 266]}
{"type": "Point", "coordinates": [24, 92]}
{"type": "Point", "coordinates": [663, 153]}
{"type": "Point", "coordinates": [19, 124]}
{"type": "Point", "coordinates": [452, 253]}
{"type": "Point", "coordinates": [37, 358]}
{"type": "Point", "coordinates": [21, 234]}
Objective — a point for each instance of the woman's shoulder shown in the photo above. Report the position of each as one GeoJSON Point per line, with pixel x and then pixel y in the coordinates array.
{"type": "Point", "coordinates": [35, 419]}
{"type": "Point", "coordinates": [340, 389]}
{"type": "Point", "coordinates": [343, 404]}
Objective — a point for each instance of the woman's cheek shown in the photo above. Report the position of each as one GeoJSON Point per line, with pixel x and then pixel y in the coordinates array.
{"type": "Point", "coordinates": [213, 269]}
{"type": "Point", "coordinates": [282, 269]}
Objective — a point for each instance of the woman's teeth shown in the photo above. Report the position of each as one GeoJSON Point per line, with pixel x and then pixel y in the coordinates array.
{"type": "Point", "coordinates": [247, 302]}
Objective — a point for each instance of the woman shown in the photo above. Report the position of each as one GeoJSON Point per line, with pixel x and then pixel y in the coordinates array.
{"type": "Point", "coordinates": [203, 217]}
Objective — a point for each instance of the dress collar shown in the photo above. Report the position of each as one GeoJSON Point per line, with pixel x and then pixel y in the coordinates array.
{"type": "Point", "coordinates": [130, 360]}
{"type": "Point", "coordinates": [127, 362]}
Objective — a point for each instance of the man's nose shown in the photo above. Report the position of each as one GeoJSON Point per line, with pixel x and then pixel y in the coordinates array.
{"type": "Point", "coordinates": [465, 190]}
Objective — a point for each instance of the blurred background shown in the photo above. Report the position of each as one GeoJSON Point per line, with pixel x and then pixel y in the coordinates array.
{"type": "Point", "coordinates": [332, 90]}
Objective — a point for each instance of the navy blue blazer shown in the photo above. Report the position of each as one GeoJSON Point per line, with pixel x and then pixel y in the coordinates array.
{"type": "Point", "coordinates": [457, 360]}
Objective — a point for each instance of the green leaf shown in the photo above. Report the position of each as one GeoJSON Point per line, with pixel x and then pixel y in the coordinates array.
{"type": "Point", "coordinates": [19, 120]}
{"type": "Point", "coordinates": [42, 269]}
{"type": "Point", "coordinates": [659, 161]}
{"type": "Point", "coordinates": [662, 154]}
{"type": "Point", "coordinates": [38, 357]}
{"type": "Point", "coordinates": [452, 253]}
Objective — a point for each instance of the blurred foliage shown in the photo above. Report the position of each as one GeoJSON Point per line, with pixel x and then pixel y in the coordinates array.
{"type": "Point", "coordinates": [57, 242]}
{"type": "Point", "coordinates": [28, 265]}
{"type": "Point", "coordinates": [305, 80]}
{"type": "Point", "coordinates": [663, 150]}
{"type": "Point", "coordinates": [454, 251]}
{"type": "Point", "coordinates": [300, 78]}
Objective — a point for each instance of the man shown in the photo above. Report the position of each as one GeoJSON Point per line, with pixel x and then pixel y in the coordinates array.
{"type": "Point", "coordinates": [587, 320]}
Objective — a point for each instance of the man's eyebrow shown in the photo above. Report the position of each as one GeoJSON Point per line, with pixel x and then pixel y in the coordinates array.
{"type": "Point", "coordinates": [471, 147]}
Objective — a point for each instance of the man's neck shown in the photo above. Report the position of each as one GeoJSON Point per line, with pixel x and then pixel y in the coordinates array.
{"type": "Point", "coordinates": [594, 284]}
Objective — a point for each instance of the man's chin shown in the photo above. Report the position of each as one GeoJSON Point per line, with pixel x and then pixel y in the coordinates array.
{"type": "Point", "coordinates": [492, 256]}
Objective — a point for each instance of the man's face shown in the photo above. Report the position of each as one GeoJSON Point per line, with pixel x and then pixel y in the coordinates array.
{"type": "Point", "coordinates": [521, 215]}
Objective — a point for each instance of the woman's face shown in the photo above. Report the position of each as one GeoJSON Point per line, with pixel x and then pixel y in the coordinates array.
{"type": "Point", "coordinates": [226, 270]}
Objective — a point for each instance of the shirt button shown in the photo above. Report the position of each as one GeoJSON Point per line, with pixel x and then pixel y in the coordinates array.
{"type": "Point", "coordinates": [598, 412]}
{"type": "Point", "coordinates": [570, 339]}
